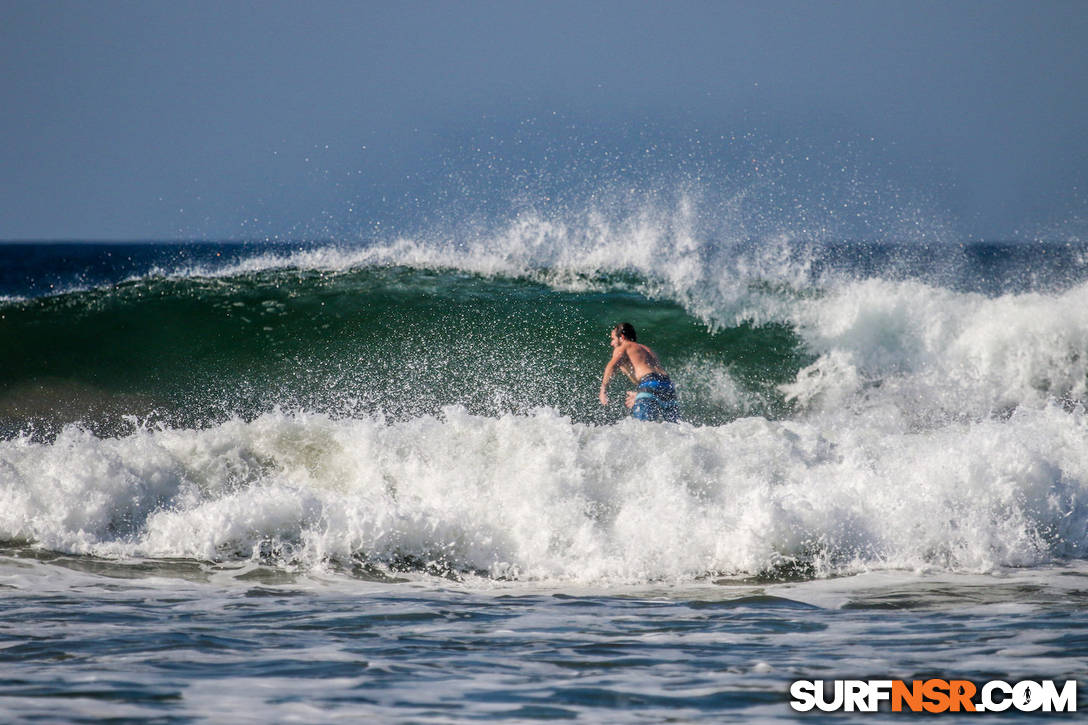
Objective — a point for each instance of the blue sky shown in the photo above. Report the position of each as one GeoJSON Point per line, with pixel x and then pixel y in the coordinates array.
{"type": "Point", "coordinates": [154, 120]}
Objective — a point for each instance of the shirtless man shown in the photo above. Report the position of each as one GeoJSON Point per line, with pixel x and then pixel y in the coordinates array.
{"type": "Point", "coordinates": [654, 397]}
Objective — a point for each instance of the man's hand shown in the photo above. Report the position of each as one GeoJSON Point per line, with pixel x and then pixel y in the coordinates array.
{"type": "Point", "coordinates": [603, 397]}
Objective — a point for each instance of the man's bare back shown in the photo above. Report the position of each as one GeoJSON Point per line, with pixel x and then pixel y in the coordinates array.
{"type": "Point", "coordinates": [634, 360]}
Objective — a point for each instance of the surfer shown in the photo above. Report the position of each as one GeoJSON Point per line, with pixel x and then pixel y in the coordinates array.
{"type": "Point", "coordinates": [654, 397]}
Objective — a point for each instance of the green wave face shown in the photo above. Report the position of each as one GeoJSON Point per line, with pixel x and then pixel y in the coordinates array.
{"type": "Point", "coordinates": [388, 341]}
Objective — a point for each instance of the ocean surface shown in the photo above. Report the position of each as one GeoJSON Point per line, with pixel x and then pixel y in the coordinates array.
{"type": "Point", "coordinates": [371, 481]}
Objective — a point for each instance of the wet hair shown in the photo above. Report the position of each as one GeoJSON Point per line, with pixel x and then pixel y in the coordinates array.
{"type": "Point", "coordinates": [627, 331]}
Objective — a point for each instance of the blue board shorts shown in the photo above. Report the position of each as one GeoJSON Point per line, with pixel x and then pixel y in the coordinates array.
{"type": "Point", "coordinates": [655, 399]}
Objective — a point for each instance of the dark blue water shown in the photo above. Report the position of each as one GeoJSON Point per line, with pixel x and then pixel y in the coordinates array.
{"type": "Point", "coordinates": [84, 641]}
{"type": "Point", "coordinates": [41, 268]}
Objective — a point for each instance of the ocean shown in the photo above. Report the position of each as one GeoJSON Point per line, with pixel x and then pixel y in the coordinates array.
{"type": "Point", "coordinates": [371, 481]}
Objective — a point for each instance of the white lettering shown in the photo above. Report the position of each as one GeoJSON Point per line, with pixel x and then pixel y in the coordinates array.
{"type": "Point", "coordinates": [879, 690]}
{"type": "Point", "coordinates": [1066, 701]}
{"type": "Point", "coordinates": [855, 696]}
{"type": "Point", "coordinates": [1027, 696]}
{"type": "Point", "coordinates": [836, 701]}
{"type": "Point", "coordinates": [804, 695]}
{"type": "Point", "coordinates": [992, 705]}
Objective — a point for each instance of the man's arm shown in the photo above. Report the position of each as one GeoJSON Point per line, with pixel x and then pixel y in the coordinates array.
{"type": "Point", "coordinates": [617, 357]}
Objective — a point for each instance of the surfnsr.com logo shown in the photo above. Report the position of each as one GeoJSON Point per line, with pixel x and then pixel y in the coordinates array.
{"type": "Point", "coordinates": [933, 696]}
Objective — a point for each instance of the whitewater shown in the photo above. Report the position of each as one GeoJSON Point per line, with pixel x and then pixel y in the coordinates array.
{"type": "Point", "coordinates": [343, 463]}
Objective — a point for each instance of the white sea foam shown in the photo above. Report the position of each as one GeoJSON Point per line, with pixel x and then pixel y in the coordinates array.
{"type": "Point", "coordinates": [935, 428]}
{"type": "Point", "coordinates": [935, 354]}
{"type": "Point", "coordinates": [539, 498]}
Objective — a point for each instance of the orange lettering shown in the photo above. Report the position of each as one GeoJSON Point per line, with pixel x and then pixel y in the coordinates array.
{"type": "Point", "coordinates": [961, 692]}
{"type": "Point", "coordinates": [937, 692]}
{"type": "Point", "coordinates": [913, 696]}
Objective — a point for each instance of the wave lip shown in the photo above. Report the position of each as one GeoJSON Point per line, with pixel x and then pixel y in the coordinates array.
{"type": "Point", "coordinates": [539, 498]}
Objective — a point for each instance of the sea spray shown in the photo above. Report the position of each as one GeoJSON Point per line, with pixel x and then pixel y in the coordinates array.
{"type": "Point", "coordinates": [429, 404]}
{"type": "Point", "coordinates": [539, 498]}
